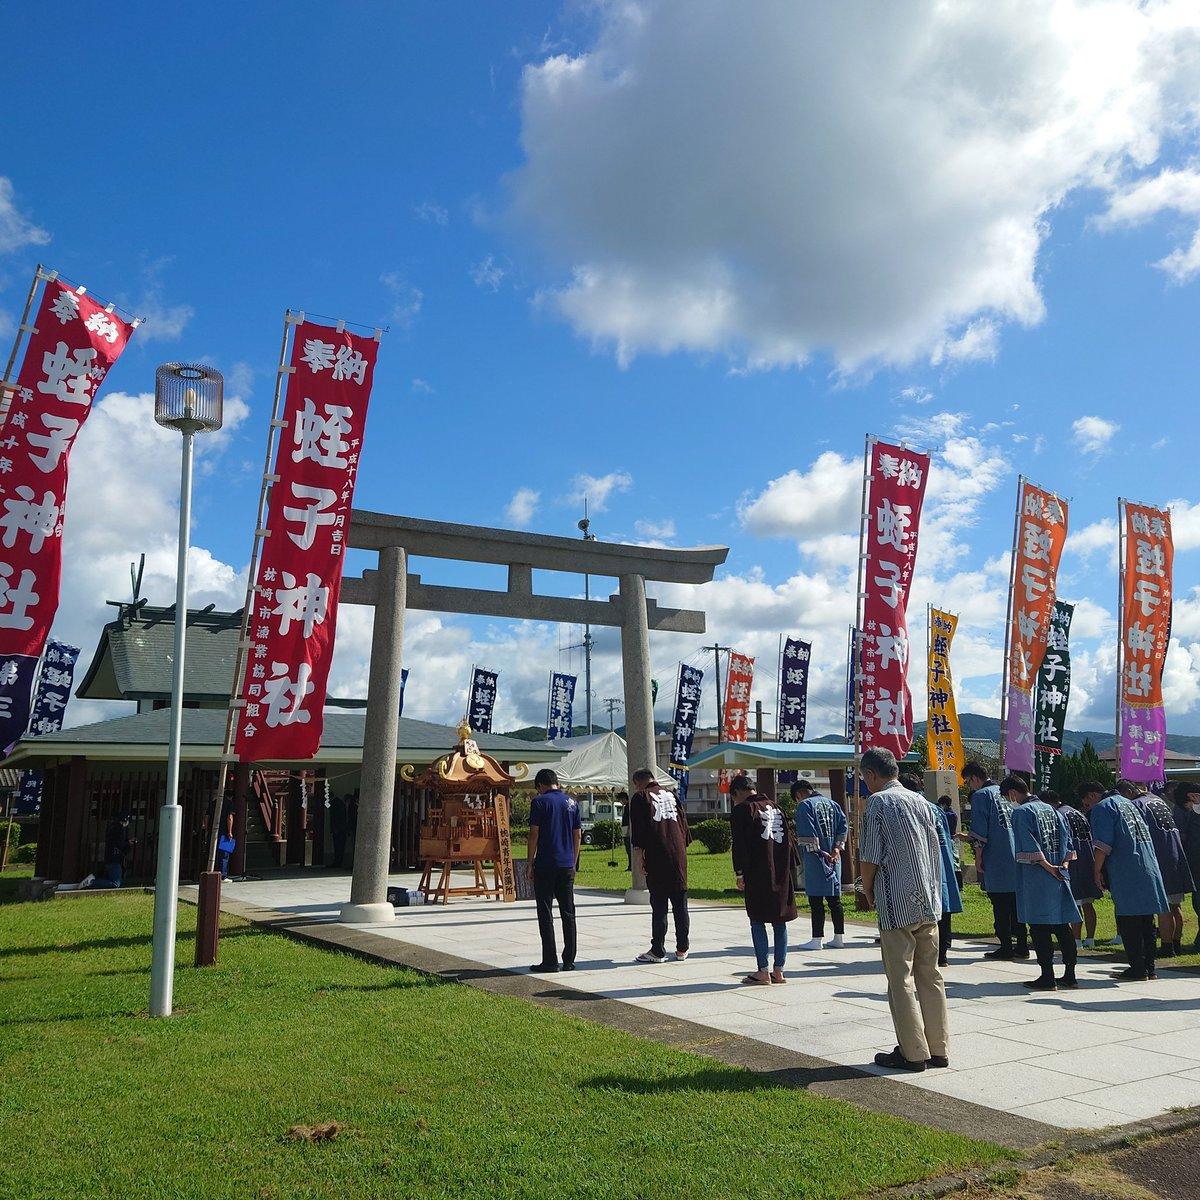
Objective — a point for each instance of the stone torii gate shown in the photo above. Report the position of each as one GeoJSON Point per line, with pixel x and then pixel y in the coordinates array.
{"type": "Point", "coordinates": [392, 590]}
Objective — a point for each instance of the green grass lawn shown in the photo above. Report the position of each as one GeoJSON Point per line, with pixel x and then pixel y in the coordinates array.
{"type": "Point", "coordinates": [442, 1090]}
{"type": "Point", "coordinates": [9, 879]}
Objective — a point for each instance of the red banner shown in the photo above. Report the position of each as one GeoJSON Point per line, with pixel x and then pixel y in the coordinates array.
{"type": "Point", "coordinates": [299, 580]}
{"type": "Point", "coordinates": [736, 715]}
{"type": "Point", "coordinates": [1147, 564]}
{"type": "Point", "coordinates": [1041, 532]}
{"type": "Point", "coordinates": [73, 345]}
{"type": "Point", "coordinates": [897, 478]}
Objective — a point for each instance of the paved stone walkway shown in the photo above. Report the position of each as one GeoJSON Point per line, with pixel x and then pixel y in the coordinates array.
{"type": "Point", "coordinates": [1103, 1055]}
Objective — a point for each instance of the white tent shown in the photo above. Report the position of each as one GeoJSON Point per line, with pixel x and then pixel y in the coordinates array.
{"type": "Point", "coordinates": [602, 765]}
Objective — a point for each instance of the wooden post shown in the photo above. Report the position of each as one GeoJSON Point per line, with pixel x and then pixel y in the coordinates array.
{"type": "Point", "coordinates": [73, 821]}
{"type": "Point", "coordinates": [296, 837]}
{"type": "Point", "coordinates": [837, 793]}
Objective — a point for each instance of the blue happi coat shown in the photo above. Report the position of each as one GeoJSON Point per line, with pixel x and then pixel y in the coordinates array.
{"type": "Point", "coordinates": [991, 831]}
{"type": "Point", "coordinates": [820, 826]}
{"type": "Point", "coordinates": [1083, 869]}
{"type": "Point", "coordinates": [951, 895]}
{"type": "Point", "coordinates": [1042, 835]}
{"type": "Point", "coordinates": [1168, 845]}
{"type": "Point", "coordinates": [1134, 879]}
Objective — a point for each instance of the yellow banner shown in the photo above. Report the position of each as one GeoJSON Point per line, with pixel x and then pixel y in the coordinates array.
{"type": "Point", "coordinates": [944, 734]}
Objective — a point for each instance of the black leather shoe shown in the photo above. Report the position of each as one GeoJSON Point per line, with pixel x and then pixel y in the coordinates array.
{"type": "Point", "coordinates": [1002, 954]}
{"type": "Point", "coordinates": [1019, 953]}
{"type": "Point", "coordinates": [1069, 982]}
{"type": "Point", "coordinates": [568, 966]}
{"type": "Point", "coordinates": [897, 1062]}
{"type": "Point", "coordinates": [1129, 975]}
{"type": "Point", "coordinates": [1041, 985]}
{"type": "Point", "coordinates": [544, 968]}
{"type": "Point", "coordinates": [937, 1060]}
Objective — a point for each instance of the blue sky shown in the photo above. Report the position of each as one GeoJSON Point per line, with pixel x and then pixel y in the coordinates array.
{"type": "Point", "coordinates": [662, 264]}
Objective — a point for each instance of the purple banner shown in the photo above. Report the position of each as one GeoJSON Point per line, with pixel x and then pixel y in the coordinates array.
{"type": "Point", "coordinates": [1018, 730]}
{"type": "Point", "coordinates": [793, 690]}
{"type": "Point", "coordinates": [1143, 743]}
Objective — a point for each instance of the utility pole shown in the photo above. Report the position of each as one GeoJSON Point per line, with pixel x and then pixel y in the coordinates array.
{"type": "Point", "coordinates": [612, 703]}
{"type": "Point", "coordinates": [717, 649]}
{"type": "Point", "coordinates": [585, 526]}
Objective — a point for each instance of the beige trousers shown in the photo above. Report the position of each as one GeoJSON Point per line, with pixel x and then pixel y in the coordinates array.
{"type": "Point", "coordinates": [916, 993]}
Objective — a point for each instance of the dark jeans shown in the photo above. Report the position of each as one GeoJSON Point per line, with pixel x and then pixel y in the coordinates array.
{"type": "Point", "coordinates": [945, 937]}
{"type": "Point", "coordinates": [835, 911]}
{"type": "Point", "coordinates": [1044, 937]}
{"type": "Point", "coordinates": [115, 871]}
{"type": "Point", "coordinates": [551, 884]}
{"type": "Point", "coordinates": [658, 920]}
{"type": "Point", "coordinates": [223, 862]}
{"type": "Point", "coordinates": [1004, 918]}
{"type": "Point", "coordinates": [1138, 935]}
{"type": "Point", "coordinates": [758, 935]}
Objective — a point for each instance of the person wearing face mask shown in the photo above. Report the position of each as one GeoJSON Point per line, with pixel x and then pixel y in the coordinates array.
{"type": "Point", "coordinates": [1187, 818]}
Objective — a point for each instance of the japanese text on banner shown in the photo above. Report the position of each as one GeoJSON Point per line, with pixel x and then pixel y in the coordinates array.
{"type": "Point", "coordinates": [1145, 628]}
{"type": "Point", "coordinates": [49, 705]}
{"type": "Point", "coordinates": [892, 523]}
{"type": "Point", "coordinates": [294, 619]}
{"type": "Point", "coordinates": [944, 734]}
{"type": "Point", "coordinates": [74, 344]}
{"type": "Point", "coordinates": [793, 690]}
{"type": "Point", "coordinates": [687, 714]}
{"type": "Point", "coordinates": [481, 703]}
{"type": "Point", "coordinates": [560, 721]}
{"type": "Point", "coordinates": [1041, 532]}
{"type": "Point", "coordinates": [1053, 692]}
{"type": "Point", "coordinates": [738, 683]}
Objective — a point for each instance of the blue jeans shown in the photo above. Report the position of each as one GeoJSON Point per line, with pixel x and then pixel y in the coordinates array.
{"type": "Point", "coordinates": [223, 862]}
{"type": "Point", "coordinates": [115, 872]}
{"type": "Point", "coordinates": [758, 933]}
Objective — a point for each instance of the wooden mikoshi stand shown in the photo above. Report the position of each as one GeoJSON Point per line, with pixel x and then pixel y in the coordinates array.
{"type": "Point", "coordinates": [467, 823]}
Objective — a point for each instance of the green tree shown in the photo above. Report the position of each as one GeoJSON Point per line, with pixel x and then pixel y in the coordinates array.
{"type": "Point", "coordinates": [1070, 770]}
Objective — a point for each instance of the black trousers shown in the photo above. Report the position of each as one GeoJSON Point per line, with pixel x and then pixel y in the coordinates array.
{"type": "Point", "coordinates": [835, 911]}
{"type": "Point", "coordinates": [549, 885]}
{"type": "Point", "coordinates": [1138, 934]}
{"type": "Point", "coordinates": [658, 920]}
{"type": "Point", "coordinates": [1044, 937]}
{"type": "Point", "coordinates": [944, 936]}
{"type": "Point", "coordinates": [1004, 919]}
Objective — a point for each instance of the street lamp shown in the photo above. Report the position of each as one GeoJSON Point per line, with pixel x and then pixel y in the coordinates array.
{"type": "Point", "coordinates": [187, 397]}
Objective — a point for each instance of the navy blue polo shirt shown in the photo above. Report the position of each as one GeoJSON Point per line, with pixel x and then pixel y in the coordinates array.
{"type": "Point", "coordinates": [556, 817]}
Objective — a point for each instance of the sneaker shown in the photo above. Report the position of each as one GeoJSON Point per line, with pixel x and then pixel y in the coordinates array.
{"type": "Point", "coordinates": [897, 1062]}
{"type": "Point", "coordinates": [937, 1060]}
{"type": "Point", "coordinates": [568, 966]}
{"type": "Point", "coordinates": [650, 957]}
{"type": "Point", "coordinates": [837, 942]}
{"type": "Point", "coordinates": [544, 968]}
{"type": "Point", "coordinates": [814, 944]}
{"type": "Point", "coordinates": [1041, 985]}
{"type": "Point", "coordinates": [1151, 975]}
{"type": "Point", "coordinates": [680, 955]}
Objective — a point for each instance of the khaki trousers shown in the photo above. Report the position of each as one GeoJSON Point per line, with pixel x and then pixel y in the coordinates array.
{"type": "Point", "coordinates": [916, 993]}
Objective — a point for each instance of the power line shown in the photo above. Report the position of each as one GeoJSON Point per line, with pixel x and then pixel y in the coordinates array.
{"type": "Point", "coordinates": [612, 703]}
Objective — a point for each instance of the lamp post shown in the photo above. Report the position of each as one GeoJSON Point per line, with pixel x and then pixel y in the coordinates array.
{"type": "Point", "coordinates": [188, 398]}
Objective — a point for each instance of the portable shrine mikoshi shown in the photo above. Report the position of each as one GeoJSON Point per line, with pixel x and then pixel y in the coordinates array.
{"type": "Point", "coordinates": [467, 823]}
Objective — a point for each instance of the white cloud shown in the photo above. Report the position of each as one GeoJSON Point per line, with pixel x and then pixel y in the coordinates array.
{"type": "Point", "coordinates": [1170, 190]}
{"type": "Point", "coordinates": [422, 386]}
{"type": "Point", "coordinates": [522, 506]}
{"type": "Point", "coordinates": [1185, 524]}
{"type": "Point", "coordinates": [431, 212]}
{"type": "Point", "coordinates": [916, 395]}
{"type": "Point", "coordinates": [827, 498]}
{"type": "Point", "coordinates": [162, 321]}
{"type": "Point", "coordinates": [16, 230]}
{"type": "Point", "coordinates": [660, 531]}
{"type": "Point", "coordinates": [774, 180]}
{"type": "Point", "coordinates": [1093, 434]}
{"type": "Point", "coordinates": [488, 274]}
{"type": "Point", "coordinates": [407, 299]}
{"type": "Point", "coordinates": [1100, 535]}
{"type": "Point", "coordinates": [597, 489]}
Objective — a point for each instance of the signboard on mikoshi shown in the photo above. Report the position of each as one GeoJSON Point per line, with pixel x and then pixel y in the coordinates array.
{"type": "Point", "coordinates": [944, 734]}
{"type": "Point", "coordinates": [1053, 693]}
{"type": "Point", "coordinates": [1041, 530]}
{"type": "Point", "coordinates": [290, 632]}
{"type": "Point", "coordinates": [73, 343]}
{"type": "Point", "coordinates": [1147, 562]}
{"type": "Point", "coordinates": [895, 491]}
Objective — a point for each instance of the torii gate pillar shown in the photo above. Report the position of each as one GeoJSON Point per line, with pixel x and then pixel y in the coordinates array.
{"type": "Point", "coordinates": [639, 706]}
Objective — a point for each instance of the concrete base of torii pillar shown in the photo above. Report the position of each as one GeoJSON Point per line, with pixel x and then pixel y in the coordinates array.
{"type": "Point", "coordinates": [639, 704]}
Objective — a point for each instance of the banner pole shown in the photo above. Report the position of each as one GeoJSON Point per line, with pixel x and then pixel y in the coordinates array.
{"type": "Point", "coordinates": [859, 597]}
{"type": "Point", "coordinates": [239, 665]}
{"type": "Point", "coordinates": [779, 688]}
{"type": "Point", "coordinates": [929, 765]}
{"type": "Point", "coordinates": [1122, 551]}
{"type": "Point", "coordinates": [1006, 673]}
{"type": "Point", "coordinates": [8, 385]}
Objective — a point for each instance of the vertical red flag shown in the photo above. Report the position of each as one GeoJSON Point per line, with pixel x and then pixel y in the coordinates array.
{"type": "Point", "coordinates": [1041, 533]}
{"type": "Point", "coordinates": [73, 344]}
{"type": "Point", "coordinates": [292, 627]}
{"type": "Point", "coordinates": [1147, 562]}
{"type": "Point", "coordinates": [897, 479]}
{"type": "Point", "coordinates": [735, 718]}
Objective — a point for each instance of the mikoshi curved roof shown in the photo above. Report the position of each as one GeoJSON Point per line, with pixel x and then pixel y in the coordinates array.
{"type": "Point", "coordinates": [778, 756]}
{"type": "Point", "coordinates": [602, 765]}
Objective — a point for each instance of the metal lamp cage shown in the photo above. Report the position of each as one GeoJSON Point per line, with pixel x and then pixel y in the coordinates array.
{"type": "Point", "coordinates": [188, 397]}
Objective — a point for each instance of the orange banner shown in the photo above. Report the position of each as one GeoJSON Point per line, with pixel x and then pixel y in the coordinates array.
{"type": "Point", "coordinates": [944, 734]}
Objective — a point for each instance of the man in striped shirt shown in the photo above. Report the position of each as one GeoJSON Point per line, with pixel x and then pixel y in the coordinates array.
{"type": "Point", "coordinates": [902, 879]}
